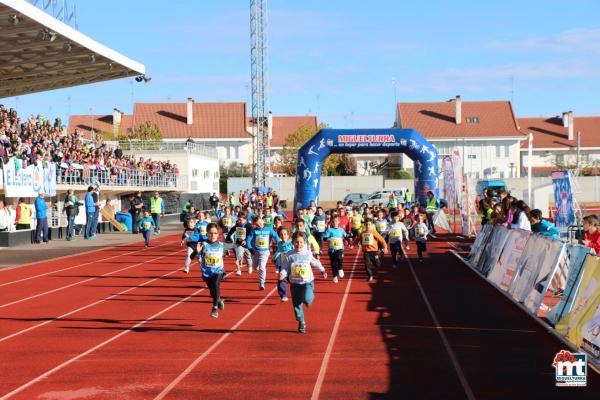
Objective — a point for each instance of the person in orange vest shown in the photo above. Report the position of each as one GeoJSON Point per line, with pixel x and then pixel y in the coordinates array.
{"type": "Point", "coordinates": [23, 217]}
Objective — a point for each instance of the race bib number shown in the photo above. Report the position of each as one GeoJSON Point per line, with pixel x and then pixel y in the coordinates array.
{"type": "Point", "coordinates": [147, 225]}
{"type": "Point", "coordinates": [300, 271]}
{"type": "Point", "coordinates": [368, 239]}
{"type": "Point", "coordinates": [356, 222]}
{"type": "Point", "coordinates": [268, 220]}
{"type": "Point", "coordinates": [336, 243]}
{"type": "Point", "coordinates": [396, 233]}
{"type": "Point", "coordinates": [227, 222]}
{"type": "Point", "coordinates": [262, 241]}
{"type": "Point", "coordinates": [420, 231]}
{"type": "Point", "coordinates": [321, 226]}
{"type": "Point", "coordinates": [241, 233]}
{"type": "Point", "coordinates": [203, 230]}
{"type": "Point", "coordinates": [213, 259]}
{"type": "Point", "coordinates": [381, 226]}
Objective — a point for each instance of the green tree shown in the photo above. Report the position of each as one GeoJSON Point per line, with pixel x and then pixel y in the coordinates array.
{"type": "Point", "coordinates": [402, 174]}
{"type": "Point", "coordinates": [233, 170]}
{"type": "Point", "coordinates": [146, 131]}
{"type": "Point", "coordinates": [334, 165]}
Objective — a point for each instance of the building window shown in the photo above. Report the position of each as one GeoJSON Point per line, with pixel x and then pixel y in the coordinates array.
{"type": "Point", "coordinates": [560, 159]}
{"type": "Point", "coordinates": [468, 120]}
{"type": "Point", "coordinates": [506, 150]}
{"type": "Point", "coordinates": [194, 185]}
{"type": "Point", "coordinates": [195, 173]}
{"type": "Point", "coordinates": [498, 151]}
{"type": "Point", "coordinates": [206, 174]}
{"type": "Point", "coordinates": [501, 174]}
{"type": "Point", "coordinates": [216, 175]}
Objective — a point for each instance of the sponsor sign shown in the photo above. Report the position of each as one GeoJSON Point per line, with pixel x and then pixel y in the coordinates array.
{"type": "Point", "coordinates": [30, 181]}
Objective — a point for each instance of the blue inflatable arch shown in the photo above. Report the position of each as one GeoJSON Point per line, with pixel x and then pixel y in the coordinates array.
{"type": "Point", "coordinates": [328, 141]}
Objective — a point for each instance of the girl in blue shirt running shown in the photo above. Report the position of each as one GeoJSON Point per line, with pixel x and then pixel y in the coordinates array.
{"type": "Point", "coordinates": [259, 242]}
{"type": "Point", "coordinates": [336, 236]}
{"type": "Point", "coordinates": [211, 257]}
{"type": "Point", "coordinates": [283, 247]}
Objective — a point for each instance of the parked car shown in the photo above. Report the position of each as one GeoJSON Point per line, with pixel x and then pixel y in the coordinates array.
{"type": "Point", "coordinates": [382, 196]}
{"type": "Point", "coordinates": [356, 198]}
{"type": "Point", "coordinates": [497, 185]}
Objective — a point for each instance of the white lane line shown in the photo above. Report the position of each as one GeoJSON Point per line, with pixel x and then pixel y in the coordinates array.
{"type": "Point", "coordinates": [336, 327]}
{"type": "Point", "coordinates": [98, 346]}
{"type": "Point", "coordinates": [75, 266]}
{"type": "Point", "coordinates": [457, 367]}
{"type": "Point", "coordinates": [216, 344]}
{"type": "Point", "coordinates": [35, 296]}
{"type": "Point", "coordinates": [94, 303]}
{"type": "Point", "coordinates": [458, 328]}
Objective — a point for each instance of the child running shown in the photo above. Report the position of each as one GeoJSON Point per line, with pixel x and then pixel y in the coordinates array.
{"type": "Point", "coordinates": [283, 247]}
{"type": "Point", "coordinates": [146, 226]}
{"type": "Point", "coordinates": [370, 241]}
{"type": "Point", "coordinates": [298, 266]}
{"type": "Point", "coordinates": [191, 237]}
{"type": "Point", "coordinates": [259, 241]}
{"type": "Point", "coordinates": [421, 232]}
{"type": "Point", "coordinates": [396, 234]}
{"type": "Point", "coordinates": [225, 223]}
{"type": "Point", "coordinates": [336, 236]}
{"type": "Point", "coordinates": [241, 230]}
{"type": "Point", "coordinates": [212, 267]}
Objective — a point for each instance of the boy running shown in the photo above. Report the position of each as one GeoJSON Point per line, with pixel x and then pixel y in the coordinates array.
{"type": "Point", "coordinates": [241, 230]}
{"type": "Point", "coordinates": [319, 225]}
{"type": "Point", "coordinates": [259, 241]}
{"type": "Point", "coordinates": [191, 237]}
{"type": "Point", "coordinates": [421, 232]}
{"type": "Point", "coordinates": [336, 236]}
{"type": "Point", "coordinates": [297, 266]}
{"type": "Point", "coordinates": [212, 267]}
{"type": "Point", "coordinates": [370, 241]}
{"type": "Point", "coordinates": [396, 234]}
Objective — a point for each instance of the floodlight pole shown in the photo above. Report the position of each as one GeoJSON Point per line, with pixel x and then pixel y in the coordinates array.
{"type": "Point", "coordinates": [258, 84]}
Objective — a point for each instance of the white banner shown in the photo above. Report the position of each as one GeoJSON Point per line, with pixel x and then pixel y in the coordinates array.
{"type": "Point", "coordinates": [30, 181]}
{"type": "Point", "coordinates": [493, 250]}
{"type": "Point", "coordinates": [548, 261]}
{"type": "Point", "coordinates": [503, 272]}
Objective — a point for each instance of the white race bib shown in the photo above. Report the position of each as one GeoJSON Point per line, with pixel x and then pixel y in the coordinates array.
{"type": "Point", "coordinates": [380, 226]}
{"type": "Point", "coordinates": [336, 243]}
{"type": "Point", "coordinates": [262, 241]}
{"type": "Point", "coordinates": [420, 231]}
{"type": "Point", "coordinates": [227, 222]}
{"type": "Point", "coordinates": [321, 226]}
{"type": "Point", "coordinates": [368, 239]}
{"type": "Point", "coordinates": [396, 233]}
{"type": "Point", "coordinates": [300, 270]}
{"type": "Point", "coordinates": [203, 230]}
{"type": "Point", "coordinates": [147, 225]}
{"type": "Point", "coordinates": [241, 233]}
{"type": "Point", "coordinates": [213, 259]}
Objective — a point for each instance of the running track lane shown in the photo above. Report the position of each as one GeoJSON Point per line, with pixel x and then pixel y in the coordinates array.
{"type": "Point", "coordinates": [502, 352]}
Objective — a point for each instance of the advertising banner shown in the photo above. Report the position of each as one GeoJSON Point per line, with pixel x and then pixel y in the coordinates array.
{"type": "Point", "coordinates": [571, 267]}
{"type": "Point", "coordinates": [503, 272]}
{"type": "Point", "coordinates": [587, 298]}
{"type": "Point", "coordinates": [30, 181]}
{"type": "Point", "coordinates": [547, 264]}
{"type": "Point", "coordinates": [449, 189]}
{"type": "Point", "coordinates": [493, 249]}
{"type": "Point", "coordinates": [479, 243]}
{"type": "Point", "coordinates": [563, 198]}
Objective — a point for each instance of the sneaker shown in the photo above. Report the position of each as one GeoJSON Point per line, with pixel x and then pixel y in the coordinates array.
{"type": "Point", "coordinates": [407, 247]}
{"type": "Point", "coordinates": [261, 287]}
{"type": "Point", "coordinates": [227, 253]}
{"type": "Point", "coordinates": [302, 327]}
{"type": "Point", "coordinates": [70, 238]}
{"type": "Point", "coordinates": [341, 273]}
{"type": "Point", "coordinates": [186, 271]}
{"type": "Point", "coordinates": [221, 305]}
{"type": "Point", "coordinates": [238, 272]}
{"type": "Point", "coordinates": [370, 279]}
{"type": "Point", "coordinates": [559, 292]}
{"type": "Point", "coordinates": [250, 270]}
{"type": "Point", "coordinates": [284, 299]}
{"type": "Point", "coordinates": [215, 312]}
{"type": "Point", "coordinates": [335, 279]}
{"type": "Point", "coordinates": [421, 260]}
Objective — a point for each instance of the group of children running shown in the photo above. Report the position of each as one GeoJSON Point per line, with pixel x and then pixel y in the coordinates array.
{"type": "Point", "coordinates": [257, 235]}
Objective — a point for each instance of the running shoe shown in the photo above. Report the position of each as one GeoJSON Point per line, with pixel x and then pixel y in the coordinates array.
{"type": "Point", "coordinates": [238, 272]}
{"type": "Point", "coordinates": [284, 299]}
{"type": "Point", "coordinates": [250, 270]}
{"type": "Point", "coordinates": [185, 270]}
{"type": "Point", "coordinates": [215, 312]}
{"type": "Point", "coordinates": [341, 273]}
{"type": "Point", "coordinates": [221, 305]}
{"type": "Point", "coordinates": [421, 260]}
{"type": "Point", "coordinates": [370, 279]}
{"type": "Point", "coordinates": [335, 279]}
{"type": "Point", "coordinates": [261, 287]}
{"type": "Point", "coordinates": [302, 327]}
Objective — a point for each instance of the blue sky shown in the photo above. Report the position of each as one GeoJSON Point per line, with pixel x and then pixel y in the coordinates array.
{"type": "Point", "coordinates": [337, 58]}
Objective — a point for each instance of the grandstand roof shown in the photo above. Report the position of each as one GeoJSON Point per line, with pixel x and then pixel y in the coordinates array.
{"type": "Point", "coordinates": [550, 132]}
{"type": "Point", "coordinates": [485, 119]}
{"type": "Point", "coordinates": [39, 53]}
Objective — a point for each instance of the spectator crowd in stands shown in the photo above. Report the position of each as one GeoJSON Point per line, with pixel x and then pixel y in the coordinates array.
{"type": "Point", "coordinates": [79, 160]}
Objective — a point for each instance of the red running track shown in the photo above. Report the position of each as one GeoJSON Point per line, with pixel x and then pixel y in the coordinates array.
{"type": "Point", "coordinates": [127, 323]}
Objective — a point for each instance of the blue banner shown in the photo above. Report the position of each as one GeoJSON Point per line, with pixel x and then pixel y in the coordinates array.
{"type": "Point", "coordinates": [563, 199]}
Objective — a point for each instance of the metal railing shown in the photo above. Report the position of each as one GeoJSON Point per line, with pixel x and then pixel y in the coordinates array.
{"type": "Point", "coordinates": [197, 148]}
{"type": "Point", "coordinates": [126, 177]}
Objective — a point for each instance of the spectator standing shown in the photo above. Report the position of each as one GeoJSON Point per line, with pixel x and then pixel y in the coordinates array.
{"type": "Point", "coordinates": [157, 210]}
{"type": "Point", "coordinates": [4, 217]}
{"type": "Point", "coordinates": [96, 198]}
{"type": "Point", "coordinates": [90, 210]}
{"type": "Point", "coordinates": [24, 213]}
{"type": "Point", "coordinates": [408, 198]}
{"type": "Point", "coordinates": [135, 208]}
{"type": "Point", "coordinates": [41, 214]}
{"type": "Point", "coordinates": [72, 210]}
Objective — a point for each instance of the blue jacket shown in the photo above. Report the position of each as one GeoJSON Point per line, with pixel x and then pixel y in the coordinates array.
{"type": "Point", "coordinates": [260, 238]}
{"type": "Point", "coordinates": [546, 228]}
{"type": "Point", "coordinates": [90, 207]}
{"type": "Point", "coordinates": [40, 208]}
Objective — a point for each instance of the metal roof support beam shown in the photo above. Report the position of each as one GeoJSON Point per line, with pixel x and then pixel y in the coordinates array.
{"type": "Point", "coordinates": [50, 79]}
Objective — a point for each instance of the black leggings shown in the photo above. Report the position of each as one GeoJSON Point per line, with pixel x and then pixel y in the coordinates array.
{"type": "Point", "coordinates": [421, 247]}
{"type": "Point", "coordinates": [214, 285]}
{"type": "Point", "coordinates": [336, 258]}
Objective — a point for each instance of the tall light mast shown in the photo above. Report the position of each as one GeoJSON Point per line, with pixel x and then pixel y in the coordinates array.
{"type": "Point", "coordinates": [258, 84]}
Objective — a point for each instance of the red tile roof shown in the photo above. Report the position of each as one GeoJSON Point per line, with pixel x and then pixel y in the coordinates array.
{"type": "Point", "coordinates": [285, 126]}
{"type": "Point", "coordinates": [437, 120]}
{"type": "Point", "coordinates": [550, 133]}
{"type": "Point", "coordinates": [100, 123]}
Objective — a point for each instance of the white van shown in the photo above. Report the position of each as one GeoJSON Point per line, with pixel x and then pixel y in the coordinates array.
{"type": "Point", "coordinates": [382, 196]}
